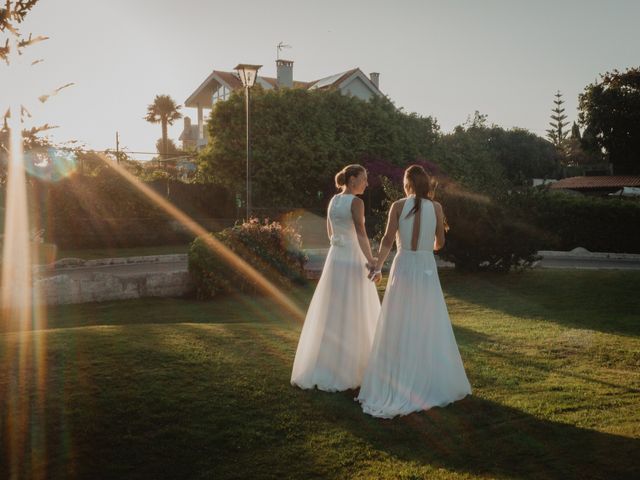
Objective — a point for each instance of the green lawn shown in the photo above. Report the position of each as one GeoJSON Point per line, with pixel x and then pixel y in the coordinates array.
{"type": "Point", "coordinates": [181, 389]}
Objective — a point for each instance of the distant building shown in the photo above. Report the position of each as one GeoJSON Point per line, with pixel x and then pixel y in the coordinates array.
{"type": "Point", "coordinates": [219, 85]}
{"type": "Point", "coordinates": [598, 185]}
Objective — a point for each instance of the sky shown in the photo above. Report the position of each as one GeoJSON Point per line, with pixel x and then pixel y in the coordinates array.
{"type": "Point", "coordinates": [446, 59]}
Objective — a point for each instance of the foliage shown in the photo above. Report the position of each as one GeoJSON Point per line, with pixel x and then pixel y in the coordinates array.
{"type": "Point", "coordinates": [557, 134]}
{"type": "Point", "coordinates": [483, 234]}
{"type": "Point", "coordinates": [164, 111]}
{"type": "Point", "coordinates": [300, 139]}
{"type": "Point", "coordinates": [490, 159]}
{"type": "Point", "coordinates": [486, 234]}
{"type": "Point", "coordinates": [171, 147]}
{"type": "Point", "coordinates": [12, 14]}
{"type": "Point", "coordinates": [523, 155]}
{"type": "Point", "coordinates": [104, 210]}
{"type": "Point", "coordinates": [465, 156]}
{"type": "Point", "coordinates": [570, 221]}
{"type": "Point", "coordinates": [272, 249]}
{"type": "Point", "coordinates": [610, 113]}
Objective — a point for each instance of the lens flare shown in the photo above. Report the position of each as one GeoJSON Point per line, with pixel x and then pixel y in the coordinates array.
{"type": "Point", "coordinates": [50, 164]}
{"type": "Point", "coordinates": [217, 247]}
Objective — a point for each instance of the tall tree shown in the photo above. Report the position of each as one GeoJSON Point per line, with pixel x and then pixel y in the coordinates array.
{"type": "Point", "coordinates": [610, 114]}
{"type": "Point", "coordinates": [557, 133]}
{"type": "Point", "coordinates": [164, 111]}
{"type": "Point", "coordinates": [302, 138]}
{"type": "Point", "coordinates": [169, 149]}
{"type": "Point", "coordinates": [575, 132]}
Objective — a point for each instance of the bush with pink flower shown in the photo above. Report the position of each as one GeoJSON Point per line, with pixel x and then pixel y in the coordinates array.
{"type": "Point", "coordinates": [273, 249]}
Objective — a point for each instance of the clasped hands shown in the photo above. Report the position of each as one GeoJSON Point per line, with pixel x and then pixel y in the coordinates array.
{"type": "Point", "coordinates": [374, 274]}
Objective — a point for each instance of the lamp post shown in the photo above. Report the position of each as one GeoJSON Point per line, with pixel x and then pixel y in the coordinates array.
{"type": "Point", "coordinates": [248, 75]}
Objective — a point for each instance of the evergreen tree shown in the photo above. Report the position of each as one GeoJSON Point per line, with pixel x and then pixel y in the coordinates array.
{"type": "Point", "coordinates": [557, 133]}
{"type": "Point", "coordinates": [575, 132]}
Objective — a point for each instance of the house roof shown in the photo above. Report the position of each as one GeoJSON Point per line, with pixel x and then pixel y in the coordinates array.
{"type": "Point", "coordinates": [231, 80]}
{"type": "Point", "coordinates": [332, 80]}
{"type": "Point", "coordinates": [597, 182]}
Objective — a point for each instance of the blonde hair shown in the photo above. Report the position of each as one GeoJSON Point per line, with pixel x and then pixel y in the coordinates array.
{"type": "Point", "coordinates": [343, 176]}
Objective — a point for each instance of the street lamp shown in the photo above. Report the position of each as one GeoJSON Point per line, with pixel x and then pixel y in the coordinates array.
{"type": "Point", "coordinates": [248, 75]}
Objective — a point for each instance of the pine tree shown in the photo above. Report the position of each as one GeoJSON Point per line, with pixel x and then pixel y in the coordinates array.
{"type": "Point", "coordinates": [557, 133]}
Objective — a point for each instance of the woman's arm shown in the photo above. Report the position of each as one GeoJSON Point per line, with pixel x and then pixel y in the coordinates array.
{"type": "Point", "coordinates": [438, 243]}
{"type": "Point", "coordinates": [329, 231]}
{"type": "Point", "coordinates": [357, 212]}
{"type": "Point", "coordinates": [389, 235]}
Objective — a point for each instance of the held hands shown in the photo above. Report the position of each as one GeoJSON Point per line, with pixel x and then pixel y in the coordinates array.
{"type": "Point", "coordinates": [371, 264]}
{"type": "Point", "coordinates": [374, 274]}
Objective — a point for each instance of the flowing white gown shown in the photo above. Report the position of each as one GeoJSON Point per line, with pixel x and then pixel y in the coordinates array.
{"type": "Point", "coordinates": [336, 338]}
{"type": "Point", "coordinates": [415, 363]}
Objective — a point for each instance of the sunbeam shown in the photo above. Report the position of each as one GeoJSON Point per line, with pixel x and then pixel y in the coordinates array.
{"type": "Point", "coordinates": [233, 260]}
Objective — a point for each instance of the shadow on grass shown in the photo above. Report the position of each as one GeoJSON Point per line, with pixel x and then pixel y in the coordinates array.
{"type": "Point", "coordinates": [234, 308]}
{"type": "Point", "coordinates": [481, 437]}
{"type": "Point", "coordinates": [605, 301]}
{"type": "Point", "coordinates": [214, 401]}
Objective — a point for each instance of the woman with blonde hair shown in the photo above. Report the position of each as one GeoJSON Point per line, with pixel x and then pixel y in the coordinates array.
{"type": "Point", "coordinates": [414, 363]}
{"type": "Point", "coordinates": [338, 330]}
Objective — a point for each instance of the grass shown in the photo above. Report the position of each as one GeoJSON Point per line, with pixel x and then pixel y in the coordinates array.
{"type": "Point", "coordinates": [169, 388]}
{"type": "Point", "coordinates": [93, 253]}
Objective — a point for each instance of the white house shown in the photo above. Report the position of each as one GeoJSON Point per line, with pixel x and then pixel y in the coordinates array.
{"type": "Point", "coordinates": [219, 85]}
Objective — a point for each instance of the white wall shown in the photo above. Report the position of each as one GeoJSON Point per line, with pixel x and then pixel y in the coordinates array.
{"type": "Point", "coordinates": [357, 88]}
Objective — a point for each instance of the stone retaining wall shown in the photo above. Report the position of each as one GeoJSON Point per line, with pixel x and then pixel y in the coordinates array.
{"type": "Point", "coordinates": [100, 287]}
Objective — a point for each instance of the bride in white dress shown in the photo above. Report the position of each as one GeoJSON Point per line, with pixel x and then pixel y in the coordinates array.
{"type": "Point", "coordinates": [336, 338]}
{"type": "Point", "coordinates": [415, 363]}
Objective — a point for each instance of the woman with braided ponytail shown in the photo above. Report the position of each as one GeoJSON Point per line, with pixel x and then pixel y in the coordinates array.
{"type": "Point", "coordinates": [414, 363]}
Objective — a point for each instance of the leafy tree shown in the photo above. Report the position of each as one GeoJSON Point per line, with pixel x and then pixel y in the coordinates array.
{"type": "Point", "coordinates": [300, 139]}
{"type": "Point", "coordinates": [164, 111]}
{"type": "Point", "coordinates": [579, 150]}
{"type": "Point", "coordinates": [490, 159]}
{"type": "Point", "coordinates": [14, 42]}
{"type": "Point", "coordinates": [575, 132]}
{"type": "Point", "coordinates": [12, 14]}
{"type": "Point", "coordinates": [170, 149]}
{"type": "Point", "coordinates": [522, 154]}
{"type": "Point", "coordinates": [465, 156]}
{"type": "Point", "coordinates": [557, 134]}
{"type": "Point", "coordinates": [610, 114]}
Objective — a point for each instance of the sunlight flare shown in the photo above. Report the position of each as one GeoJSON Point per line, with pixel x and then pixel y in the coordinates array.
{"type": "Point", "coordinates": [233, 260]}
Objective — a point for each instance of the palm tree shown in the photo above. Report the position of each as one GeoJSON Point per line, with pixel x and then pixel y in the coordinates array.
{"type": "Point", "coordinates": [163, 110]}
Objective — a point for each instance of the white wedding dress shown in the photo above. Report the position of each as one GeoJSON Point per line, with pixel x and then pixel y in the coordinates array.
{"type": "Point", "coordinates": [336, 338]}
{"type": "Point", "coordinates": [415, 363]}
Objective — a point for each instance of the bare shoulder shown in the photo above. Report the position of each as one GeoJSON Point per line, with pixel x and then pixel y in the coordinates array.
{"type": "Point", "coordinates": [437, 206]}
{"type": "Point", "coordinates": [398, 204]}
{"type": "Point", "coordinates": [357, 201]}
{"type": "Point", "coordinates": [357, 206]}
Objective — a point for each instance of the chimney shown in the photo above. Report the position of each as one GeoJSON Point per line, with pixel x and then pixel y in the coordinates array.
{"type": "Point", "coordinates": [375, 79]}
{"type": "Point", "coordinates": [285, 73]}
{"type": "Point", "coordinates": [187, 123]}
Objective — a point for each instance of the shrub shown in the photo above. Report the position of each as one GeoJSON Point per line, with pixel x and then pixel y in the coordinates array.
{"type": "Point", "coordinates": [488, 235]}
{"type": "Point", "coordinates": [570, 221]}
{"type": "Point", "coordinates": [272, 249]}
{"type": "Point", "coordinates": [483, 233]}
{"type": "Point", "coordinates": [104, 210]}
